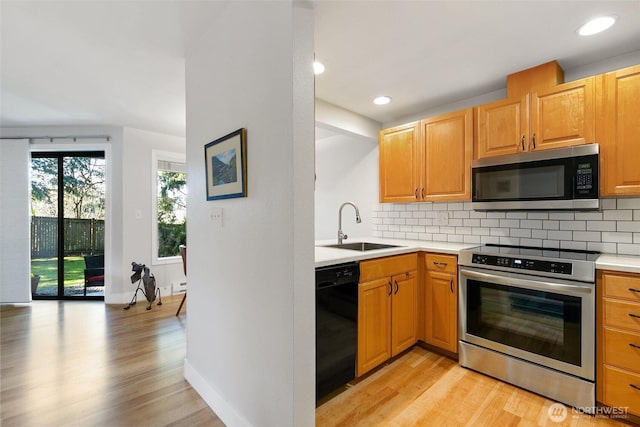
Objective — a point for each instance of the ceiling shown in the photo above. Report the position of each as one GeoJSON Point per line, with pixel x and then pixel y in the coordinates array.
{"type": "Point", "coordinates": [122, 62]}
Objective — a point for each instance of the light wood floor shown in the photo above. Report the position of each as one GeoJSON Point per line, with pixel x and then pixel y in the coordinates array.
{"type": "Point", "coordinates": [83, 363]}
{"type": "Point", "coordinates": [87, 364]}
{"type": "Point", "coordinates": [425, 389]}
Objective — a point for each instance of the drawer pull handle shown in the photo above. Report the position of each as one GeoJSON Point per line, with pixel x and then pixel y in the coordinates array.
{"type": "Point", "coordinates": [397, 287]}
{"type": "Point", "coordinates": [440, 264]}
{"type": "Point", "coordinates": [637, 316]}
{"type": "Point", "coordinates": [634, 345]}
{"type": "Point", "coordinates": [634, 290]}
{"type": "Point", "coordinates": [634, 386]}
{"type": "Point", "coordinates": [390, 288]}
{"type": "Point", "coordinates": [451, 285]}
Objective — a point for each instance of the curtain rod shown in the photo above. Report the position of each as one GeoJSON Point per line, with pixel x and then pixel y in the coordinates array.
{"type": "Point", "coordinates": [53, 138]}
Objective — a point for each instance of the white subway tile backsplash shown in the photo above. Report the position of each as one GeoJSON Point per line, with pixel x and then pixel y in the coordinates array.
{"type": "Point", "coordinates": [601, 225]}
{"type": "Point", "coordinates": [520, 232]}
{"type": "Point", "coordinates": [551, 225]}
{"type": "Point", "coordinates": [587, 236]}
{"type": "Point", "coordinates": [517, 215]}
{"type": "Point", "coordinates": [602, 247]}
{"type": "Point", "coordinates": [581, 246]}
{"type": "Point", "coordinates": [471, 239]}
{"type": "Point", "coordinates": [562, 215]}
{"type": "Point", "coordinates": [607, 204]}
{"type": "Point", "coordinates": [531, 223]}
{"type": "Point", "coordinates": [618, 215]}
{"type": "Point", "coordinates": [509, 223]}
{"type": "Point", "coordinates": [472, 222]}
{"type": "Point", "coordinates": [477, 214]}
{"type": "Point", "coordinates": [496, 215]}
{"type": "Point", "coordinates": [614, 229]}
{"type": "Point", "coordinates": [629, 226]}
{"type": "Point", "coordinates": [573, 225]}
{"type": "Point", "coordinates": [539, 234]}
{"type": "Point", "coordinates": [617, 237]}
{"type": "Point", "coordinates": [626, 249]}
{"type": "Point", "coordinates": [500, 232]}
{"type": "Point", "coordinates": [536, 243]}
{"type": "Point", "coordinates": [629, 203]}
{"type": "Point", "coordinates": [489, 223]}
{"type": "Point", "coordinates": [560, 235]}
{"type": "Point", "coordinates": [538, 215]}
{"type": "Point", "coordinates": [589, 216]}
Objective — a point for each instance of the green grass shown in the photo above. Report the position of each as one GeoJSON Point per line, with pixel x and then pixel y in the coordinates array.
{"type": "Point", "coordinates": [47, 268]}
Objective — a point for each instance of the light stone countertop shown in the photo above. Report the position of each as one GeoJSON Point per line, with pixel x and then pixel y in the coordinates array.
{"type": "Point", "coordinates": [331, 256]}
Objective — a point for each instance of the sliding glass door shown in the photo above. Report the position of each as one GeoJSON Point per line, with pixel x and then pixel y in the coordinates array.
{"type": "Point", "coordinates": [67, 225]}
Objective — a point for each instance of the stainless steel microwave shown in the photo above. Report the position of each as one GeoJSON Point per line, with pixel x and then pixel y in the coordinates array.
{"type": "Point", "coordinates": [562, 178]}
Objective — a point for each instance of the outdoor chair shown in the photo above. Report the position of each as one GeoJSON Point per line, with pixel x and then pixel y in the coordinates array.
{"type": "Point", "coordinates": [94, 271]}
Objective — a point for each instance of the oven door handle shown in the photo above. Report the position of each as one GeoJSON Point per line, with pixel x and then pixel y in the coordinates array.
{"type": "Point", "coordinates": [526, 283]}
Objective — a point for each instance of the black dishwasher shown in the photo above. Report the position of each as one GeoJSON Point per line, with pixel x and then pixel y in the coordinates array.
{"type": "Point", "coordinates": [336, 326]}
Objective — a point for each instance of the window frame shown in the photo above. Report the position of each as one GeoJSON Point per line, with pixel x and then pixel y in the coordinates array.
{"type": "Point", "coordinates": [158, 155]}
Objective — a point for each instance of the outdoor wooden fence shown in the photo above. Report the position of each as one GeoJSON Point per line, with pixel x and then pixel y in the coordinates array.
{"type": "Point", "coordinates": [81, 236]}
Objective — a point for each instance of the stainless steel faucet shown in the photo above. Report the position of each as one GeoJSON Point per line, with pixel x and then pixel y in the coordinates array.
{"type": "Point", "coordinates": [341, 235]}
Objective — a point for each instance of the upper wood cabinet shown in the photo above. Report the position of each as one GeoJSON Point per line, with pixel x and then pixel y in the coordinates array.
{"type": "Point", "coordinates": [619, 133]}
{"type": "Point", "coordinates": [447, 144]}
{"type": "Point", "coordinates": [559, 116]}
{"type": "Point", "coordinates": [428, 160]}
{"type": "Point", "coordinates": [400, 163]}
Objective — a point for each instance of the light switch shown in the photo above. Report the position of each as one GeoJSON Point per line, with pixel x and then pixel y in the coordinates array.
{"type": "Point", "coordinates": [216, 216]}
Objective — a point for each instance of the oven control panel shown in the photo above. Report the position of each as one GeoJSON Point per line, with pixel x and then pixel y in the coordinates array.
{"type": "Point", "coordinates": [523, 264]}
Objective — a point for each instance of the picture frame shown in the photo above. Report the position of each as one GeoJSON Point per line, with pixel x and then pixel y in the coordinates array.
{"type": "Point", "coordinates": [226, 166]}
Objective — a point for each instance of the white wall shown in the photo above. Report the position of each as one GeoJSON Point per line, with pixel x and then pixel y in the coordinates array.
{"type": "Point", "coordinates": [346, 170]}
{"type": "Point", "coordinates": [250, 340]}
{"type": "Point", "coordinates": [14, 222]}
{"type": "Point", "coordinates": [138, 186]}
{"type": "Point", "coordinates": [128, 175]}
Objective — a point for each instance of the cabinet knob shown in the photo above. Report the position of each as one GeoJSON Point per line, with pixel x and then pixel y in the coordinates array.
{"type": "Point", "coordinates": [397, 287]}
{"type": "Point", "coordinates": [416, 193]}
{"type": "Point", "coordinates": [390, 288]}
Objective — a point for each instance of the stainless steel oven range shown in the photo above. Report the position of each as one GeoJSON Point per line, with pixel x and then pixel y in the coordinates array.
{"type": "Point", "coordinates": [527, 317]}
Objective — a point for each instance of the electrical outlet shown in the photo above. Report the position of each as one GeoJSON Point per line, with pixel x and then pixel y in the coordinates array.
{"type": "Point", "coordinates": [442, 218]}
{"type": "Point", "coordinates": [216, 216]}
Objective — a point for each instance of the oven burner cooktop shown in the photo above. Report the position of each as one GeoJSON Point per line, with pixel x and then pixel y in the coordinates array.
{"type": "Point", "coordinates": [562, 263]}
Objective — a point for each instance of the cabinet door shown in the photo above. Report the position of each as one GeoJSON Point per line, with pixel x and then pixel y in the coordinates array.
{"type": "Point", "coordinates": [441, 310]}
{"type": "Point", "coordinates": [400, 163]}
{"type": "Point", "coordinates": [447, 144]}
{"type": "Point", "coordinates": [620, 146]}
{"type": "Point", "coordinates": [404, 312]}
{"type": "Point", "coordinates": [374, 324]}
{"type": "Point", "coordinates": [502, 127]}
{"type": "Point", "coordinates": [563, 115]}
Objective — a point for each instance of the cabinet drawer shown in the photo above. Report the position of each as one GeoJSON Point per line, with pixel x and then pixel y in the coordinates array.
{"type": "Point", "coordinates": [440, 262]}
{"type": "Point", "coordinates": [386, 267]}
{"type": "Point", "coordinates": [621, 314]}
{"type": "Point", "coordinates": [620, 389]}
{"type": "Point", "coordinates": [619, 349]}
{"type": "Point", "coordinates": [618, 285]}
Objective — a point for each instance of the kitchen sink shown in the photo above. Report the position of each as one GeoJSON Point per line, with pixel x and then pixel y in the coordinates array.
{"type": "Point", "coordinates": [362, 246]}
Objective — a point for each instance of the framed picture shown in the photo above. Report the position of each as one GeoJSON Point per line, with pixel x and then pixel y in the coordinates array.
{"type": "Point", "coordinates": [226, 166]}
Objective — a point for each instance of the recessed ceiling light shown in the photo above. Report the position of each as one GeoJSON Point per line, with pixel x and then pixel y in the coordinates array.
{"type": "Point", "coordinates": [381, 100]}
{"type": "Point", "coordinates": [596, 25]}
{"type": "Point", "coordinates": [318, 68]}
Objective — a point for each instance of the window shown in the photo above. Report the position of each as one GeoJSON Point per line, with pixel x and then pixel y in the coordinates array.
{"type": "Point", "coordinates": [169, 202]}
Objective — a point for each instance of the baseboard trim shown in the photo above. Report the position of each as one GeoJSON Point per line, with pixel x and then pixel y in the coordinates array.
{"type": "Point", "coordinates": [223, 409]}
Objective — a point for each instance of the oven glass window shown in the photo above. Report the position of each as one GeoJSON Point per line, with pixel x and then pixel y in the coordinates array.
{"type": "Point", "coordinates": [541, 182]}
{"type": "Point", "coordinates": [539, 322]}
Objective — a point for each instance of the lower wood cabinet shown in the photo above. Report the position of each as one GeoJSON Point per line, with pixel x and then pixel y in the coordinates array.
{"type": "Point", "coordinates": [618, 340]}
{"type": "Point", "coordinates": [387, 309]}
{"type": "Point", "coordinates": [441, 301]}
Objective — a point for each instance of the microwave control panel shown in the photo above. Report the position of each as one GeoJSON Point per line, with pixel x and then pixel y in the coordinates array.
{"type": "Point", "coordinates": [586, 177]}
